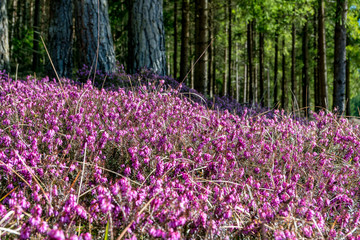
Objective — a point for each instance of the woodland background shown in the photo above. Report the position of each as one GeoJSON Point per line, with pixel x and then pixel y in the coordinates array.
{"type": "Point", "coordinates": [293, 54]}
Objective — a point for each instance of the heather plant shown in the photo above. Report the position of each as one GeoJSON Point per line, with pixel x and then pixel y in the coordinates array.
{"type": "Point", "coordinates": [79, 162]}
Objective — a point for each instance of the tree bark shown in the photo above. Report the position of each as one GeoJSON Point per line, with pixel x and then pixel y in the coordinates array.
{"type": "Point", "coordinates": [94, 35]}
{"type": "Point", "coordinates": [261, 63]}
{"type": "Point", "coordinates": [293, 58]}
{"type": "Point", "coordinates": [322, 56]}
{"type": "Point", "coordinates": [60, 38]}
{"type": "Point", "coordinates": [276, 66]}
{"type": "Point", "coordinates": [201, 42]}
{"type": "Point", "coordinates": [348, 110]}
{"type": "Point", "coordinates": [305, 70]}
{"type": "Point", "coordinates": [283, 79]}
{"type": "Point", "coordinates": [211, 49]}
{"type": "Point", "coordinates": [229, 49]}
{"type": "Point", "coordinates": [316, 65]}
{"type": "Point", "coordinates": [340, 57]}
{"type": "Point", "coordinates": [185, 21]}
{"type": "Point", "coordinates": [175, 40]}
{"type": "Point", "coordinates": [36, 26]}
{"type": "Point", "coordinates": [4, 38]}
{"type": "Point", "coordinates": [250, 61]}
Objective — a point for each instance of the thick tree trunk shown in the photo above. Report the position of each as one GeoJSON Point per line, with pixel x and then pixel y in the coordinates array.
{"type": "Point", "coordinates": [250, 61]}
{"type": "Point", "coordinates": [4, 38]}
{"type": "Point", "coordinates": [201, 42]}
{"type": "Point", "coordinates": [36, 26]}
{"type": "Point", "coordinates": [229, 49]}
{"type": "Point", "coordinates": [185, 21]}
{"type": "Point", "coordinates": [175, 40]}
{"type": "Point", "coordinates": [305, 70]}
{"type": "Point", "coordinates": [293, 57]}
{"type": "Point", "coordinates": [60, 38]}
{"type": "Point", "coordinates": [261, 63]}
{"type": "Point", "coordinates": [94, 35]}
{"type": "Point", "coordinates": [276, 66]}
{"type": "Point", "coordinates": [340, 57]}
{"type": "Point", "coordinates": [322, 56]}
{"type": "Point", "coordinates": [283, 79]}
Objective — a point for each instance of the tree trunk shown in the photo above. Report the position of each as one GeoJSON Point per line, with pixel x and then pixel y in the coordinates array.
{"type": "Point", "coordinates": [316, 66]}
{"type": "Point", "coordinates": [185, 21]}
{"type": "Point", "coordinates": [340, 57]}
{"type": "Point", "coordinates": [276, 68]}
{"type": "Point", "coordinates": [225, 85]}
{"type": "Point", "coordinates": [250, 61]}
{"type": "Point", "coordinates": [175, 39]}
{"type": "Point", "coordinates": [293, 57]}
{"type": "Point", "coordinates": [348, 112]}
{"type": "Point", "coordinates": [305, 70]}
{"type": "Point", "coordinates": [4, 38]}
{"type": "Point", "coordinates": [211, 49]}
{"type": "Point", "coordinates": [36, 26]}
{"type": "Point", "coordinates": [201, 42]}
{"type": "Point", "coordinates": [245, 95]}
{"type": "Point", "coordinates": [147, 36]}
{"type": "Point", "coordinates": [237, 82]}
{"type": "Point", "coordinates": [60, 38]}
{"type": "Point", "coordinates": [261, 63]}
{"type": "Point", "coordinates": [283, 79]}
{"type": "Point", "coordinates": [94, 35]}
{"type": "Point", "coordinates": [229, 49]}
{"type": "Point", "coordinates": [322, 56]}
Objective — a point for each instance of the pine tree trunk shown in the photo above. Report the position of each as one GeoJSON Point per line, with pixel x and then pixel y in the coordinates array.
{"type": "Point", "coordinates": [261, 62]}
{"type": "Point", "coordinates": [316, 65]}
{"type": "Point", "coordinates": [94, 35]}
{"type": "Point", "coordinates": [250, 62]}
{"type": "Point", "coordinates": [60, 38]}
{"type": "Point", "coordinates": [229, 49]}
{"type": "Point", "coordinates": [4, 38]}
{"type": "Point", "coordinates": [225, 85]}
{"type": "Point", "coordinates": [175, 39]}
{"type": "Point", "coordinates": [340, 57]}
{"type": "Point", "coordinates": [348, 110]}
{"type": "Point", "coordinates": [36, 26]}
{"type": "Point", "coordinates": [322, 56]}
{"type": "Point", "coordinates": [185, 21]}
{"type": "Point", "coordinates": [276, 66]}
{"type": "Point", "coordinates": [147, 36]}
{"type": "Point", "coordinates": [305, 70]}
{"type": "Point", "coordinates": [283, 79]}
{"type": "Point", "coordinates": [293, 57]}
{"type": "Point", "coordinates": [211, 49]}
{"type": "Point", "coordinates": [201, 42]}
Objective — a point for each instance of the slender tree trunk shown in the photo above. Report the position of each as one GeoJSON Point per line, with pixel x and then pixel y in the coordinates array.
{"type": "Point", "coordinates": [276, 66]}
{"type": "Point", "coordinates": [211, 49]}
{"type": "Point", "coordinates": [229, 49]}
{"type": "Point", "coordinates": [237, 95]}
{"type": "Point", "coordinates": [316, 66]}
{"type": "Point", "coordinates": [94, 35]}
{"type": "Point", "coordinates": [175, 39]}
{"type": "Point", "coordinates": [215, 86]}
{"type": "Point", "coordinates": [147, 36]}
{"type": "Point", "coordinates": [340, 57]}
{"type": "Point", "coordinates": [4, 38]}
{"type": "Point", "coordinates": [305, 70]}
{"type": "Point", "coordinates": [36, 26]}
{"type": "Point", "coordinates": [60, 38]}
{"type": "Point", "coordinates": [185, 21]}
{"type": "Point", "coordinates": [261, 63]}
{"type": "Point", "coordinates": [225, 85]}
{"type": "Point", "coordinates": [201, 42]}
{"type": "Point", "coordinates": [268, 88]}
{"type": "Point", "coordinates": [250, 62]}
{"type": "Point", "coordinates": [348, 112]}
{"type": "Point", "coordinates": [322, 56]}
{"type": "Point", "coordinates": [293, 57]}
{"type": "Point", "coordinates": [245, 83]}
{"type": "Point", "coordinates": [283, 79]}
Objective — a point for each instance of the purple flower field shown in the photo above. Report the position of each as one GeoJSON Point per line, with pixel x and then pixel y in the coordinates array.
{"type": "Point", "coordinates": [77, 162]}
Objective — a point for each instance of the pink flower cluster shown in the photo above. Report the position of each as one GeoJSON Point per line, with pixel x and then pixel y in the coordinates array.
{"type": "Point", "coordinates": [147, 163]}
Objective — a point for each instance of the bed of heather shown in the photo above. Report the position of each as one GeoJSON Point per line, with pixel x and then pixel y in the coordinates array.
{"type": "Point", "coordinates": [77, 162]}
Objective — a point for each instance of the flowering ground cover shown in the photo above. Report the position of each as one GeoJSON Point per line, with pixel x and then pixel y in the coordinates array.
{"type": "Point", "coordinates": [77, 162]}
